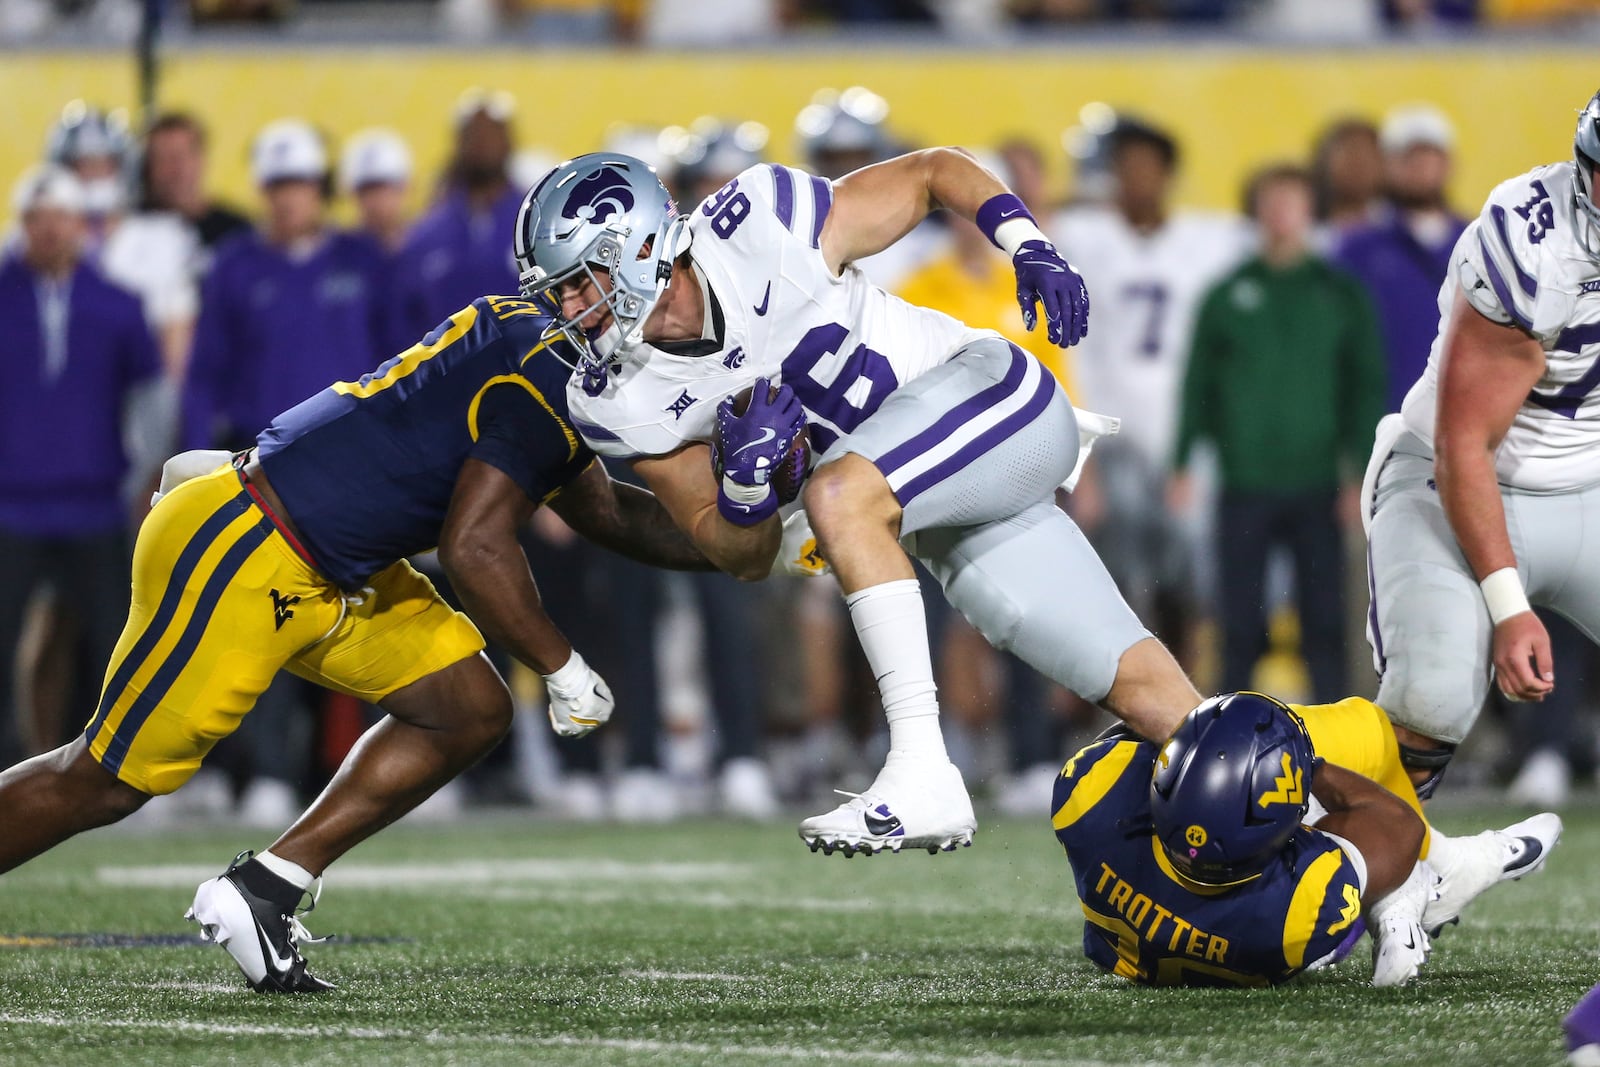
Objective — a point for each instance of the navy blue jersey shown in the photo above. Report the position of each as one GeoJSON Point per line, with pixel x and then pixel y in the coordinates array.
{"type": "Point", "coordinates": [366, 469]}
{"type": "Point", "coordinates": [1145, 922]}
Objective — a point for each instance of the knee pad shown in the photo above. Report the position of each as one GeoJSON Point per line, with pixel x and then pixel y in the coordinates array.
{"type": "Point", "coordinates": [1433, 760]}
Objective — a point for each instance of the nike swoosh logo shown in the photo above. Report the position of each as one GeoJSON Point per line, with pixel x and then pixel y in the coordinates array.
{"type": "Point", "coordinates": [767, 434]}
{"type": "Point", "coordinates": [1007, 214]}
{"type": "Point", "coordinates": [882, 827]}
{"type": "Point", "coordinates": [766, 297]}
{"type": "Point", "coordinates": [1046, 266]}
{"type": "Point", "coordinates": [1532, 850]}
{"type": "Point", "coordinates": [279, 963]}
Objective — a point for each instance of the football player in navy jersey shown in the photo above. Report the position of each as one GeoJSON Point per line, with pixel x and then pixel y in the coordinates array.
{"type": "Point", "coordinates": [293, 556]}
{"type": "Point", "coordinates": [1245, 849]}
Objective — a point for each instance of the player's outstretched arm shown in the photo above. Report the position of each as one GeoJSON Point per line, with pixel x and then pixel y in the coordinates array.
{"type": "Point", "coordinates": [479, 551]}
{"type": "Point", "coordinates": [876, 206]}
{"type": "Point", "coordinates": [627, 520]}
{"type": "Point", "coordinates": [1382, 827]}
{"type": "Point", "coordinates": [684, 484]}
{"type": "Point", "coordinates": [1487, 372]}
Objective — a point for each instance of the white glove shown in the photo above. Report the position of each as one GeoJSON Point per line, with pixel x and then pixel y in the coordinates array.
{"type": "Point", "coordinates": [579, 699]}
{"type": "Point", "coordinates": [797, 553]}
{"type": "Point", "coordinates": [1400, 945]}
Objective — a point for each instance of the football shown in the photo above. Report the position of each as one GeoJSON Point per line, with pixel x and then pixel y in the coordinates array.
{"type": "Point", "coordinates": [791, 473]}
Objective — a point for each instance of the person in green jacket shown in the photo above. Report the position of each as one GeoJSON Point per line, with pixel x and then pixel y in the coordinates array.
{"type": "Point", "coordinates": [1286, 377]}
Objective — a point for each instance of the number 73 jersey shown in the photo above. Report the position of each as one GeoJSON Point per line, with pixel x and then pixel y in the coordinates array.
{"type": "Point", "coordinates": [774, 310]}
{"type": "Point", "coordinates": [1525, 262]}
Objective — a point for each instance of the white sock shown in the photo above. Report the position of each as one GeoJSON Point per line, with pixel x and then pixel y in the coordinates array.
{"type": "Point", "coordinates": [894, 634]}
{"type": "Point", "coordinates": [292, 873]}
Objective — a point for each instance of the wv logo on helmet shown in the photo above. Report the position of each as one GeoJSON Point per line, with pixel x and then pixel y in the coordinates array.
{"type": "Point", "coordinates": [598, 197]}
{"type": "Point", "coordinates": [1288, 784]}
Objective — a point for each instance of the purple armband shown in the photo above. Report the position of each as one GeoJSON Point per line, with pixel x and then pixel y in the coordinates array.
{"type": "Point", "coordinates": [998, 209]}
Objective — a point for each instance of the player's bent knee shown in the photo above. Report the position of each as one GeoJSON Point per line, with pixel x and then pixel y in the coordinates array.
{"type": "Point", "coordinates": [848, 491]}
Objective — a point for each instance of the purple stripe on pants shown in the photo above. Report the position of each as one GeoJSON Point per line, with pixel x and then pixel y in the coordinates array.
{"type": "Point", "coordinates": [964, 412]}
{"type": "Point", "coordinates": [783, 195]}
{"type": "Point", "coordinates": [1372, 615]}
{"type": "Point", "coordinates": [981, 444]}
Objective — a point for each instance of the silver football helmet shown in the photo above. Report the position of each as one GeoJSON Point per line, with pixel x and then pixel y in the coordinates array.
{"type": "Point", "coordinates": [608, 212]}
{"type": "Point", "coordinates": [1586, 150]}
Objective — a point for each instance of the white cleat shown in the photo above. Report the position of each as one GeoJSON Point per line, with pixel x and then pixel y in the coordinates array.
{"type": "Point", "coordinates": [1467, 867]}
{"type": "Point", "coordinates": [911, 804]}
{"type": "Point", "coordinates": [1400, 947]}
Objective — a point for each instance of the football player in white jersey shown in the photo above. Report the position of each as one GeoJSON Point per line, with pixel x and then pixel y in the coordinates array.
{"type": "Point", "coordinates": [1483, 494]}
{"type": "Point", "coordinates": [925, 433]}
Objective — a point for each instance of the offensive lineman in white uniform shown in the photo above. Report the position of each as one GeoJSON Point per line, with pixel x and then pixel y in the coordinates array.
{"type": "Point", "coordinates": [927, 434]}
{"type": "Point", "coordinates": [1484, 492]}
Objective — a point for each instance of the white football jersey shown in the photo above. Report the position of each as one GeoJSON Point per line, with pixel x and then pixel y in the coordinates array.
{"type": "Point", "coordinates": [840, 342]}
{"type": "Point", "coordinates": [1523, 261]}
{"type": "Point", "coordinates": [1144, 293]}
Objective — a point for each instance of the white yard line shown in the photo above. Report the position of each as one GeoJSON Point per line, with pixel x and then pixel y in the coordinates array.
{"type": "Point", "coordinates": [689, 976]}
{"type": "Point", "coordinates": [404, 876]}
{"type": "Point", "coordinates": [643, 1045]}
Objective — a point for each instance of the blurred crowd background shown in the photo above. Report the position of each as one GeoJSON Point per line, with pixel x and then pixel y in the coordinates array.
{"type": "Point", "coordinates": [1263, 218]}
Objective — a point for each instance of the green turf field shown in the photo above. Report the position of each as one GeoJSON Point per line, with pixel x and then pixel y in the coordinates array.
{"type": "Point", "coordinates": [512, 940]}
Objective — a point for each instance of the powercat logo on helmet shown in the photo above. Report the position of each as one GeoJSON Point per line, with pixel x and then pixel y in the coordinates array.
{"type": "Point", "coordinates": [598, 197]}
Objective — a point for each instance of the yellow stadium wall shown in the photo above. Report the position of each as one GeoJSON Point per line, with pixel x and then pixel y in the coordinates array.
{"type": "Point", "coordinates": [1231, 108]}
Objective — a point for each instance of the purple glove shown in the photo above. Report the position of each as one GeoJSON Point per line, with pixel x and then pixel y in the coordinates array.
{"type": "Point", "coordinates": [749, 447]}
{"type": "Point", "coordinates": [1043, 276]}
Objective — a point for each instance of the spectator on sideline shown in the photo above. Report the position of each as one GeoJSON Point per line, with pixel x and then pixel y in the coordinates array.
{"type": "Point", "coordinates": [173, 175]}
{"type": "Point", "coordinates": [1402, 254]}
{"type": "Point", "coordinates": [1286, 377]}
{"type": "Point", "coordinates": [1347, 173]}
{"type": "Point", "coordinates": [461, 248]}
{"type": "Point", "coordinates": [83, 402]}
{"type": "Point", "coordinates": [376, 171]}
{"type": "Point", "coordinates": [284, 312]}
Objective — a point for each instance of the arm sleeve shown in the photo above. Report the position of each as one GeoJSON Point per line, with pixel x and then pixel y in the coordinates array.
{"type": "Point", "coordinates": [1326, 902]}
{"type": "Point", "coordinates": [518, 434]}
{"type": "Point", "coordinates": [1194, 411]}
{"type": "Point", "coordinates": [202, 384]}
{"type": "Point", "coordinates": [1364, 372]}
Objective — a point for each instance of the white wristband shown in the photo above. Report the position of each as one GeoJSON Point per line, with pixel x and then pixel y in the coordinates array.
{"type": "Point", "coordinates": [740, 493]}
{"type": "Point", "coordinates": [569, 678]}
{"type": "Point", "coordinates": [1012, 234]}
{"type": "Point", "coordinates": [1503, 594]}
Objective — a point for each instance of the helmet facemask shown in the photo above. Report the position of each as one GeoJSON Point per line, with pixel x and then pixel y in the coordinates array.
{"type": "Point", "coordinates": [1586, 156]}
{"type": "Point", "coordinates": [629, 230]}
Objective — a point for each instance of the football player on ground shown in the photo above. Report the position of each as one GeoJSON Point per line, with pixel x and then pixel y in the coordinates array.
{"type": "Point", "coordinates": [1482, 492]}
{"type": "Point", "coordinates": [292, 556]}
{"type": "Point", "coordinates": [1249, 846]}
{"type": "Point", "coordinates": [931, 438]}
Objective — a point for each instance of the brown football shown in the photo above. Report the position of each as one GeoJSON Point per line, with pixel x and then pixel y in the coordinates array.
{"type": "Point", "coordinates": [791, 473]}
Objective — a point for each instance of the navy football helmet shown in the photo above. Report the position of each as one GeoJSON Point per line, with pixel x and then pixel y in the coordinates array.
{"type": "Point", "coordinates": [1230, 786]}
{"type": "Point", "coordinates": [1586, 151]}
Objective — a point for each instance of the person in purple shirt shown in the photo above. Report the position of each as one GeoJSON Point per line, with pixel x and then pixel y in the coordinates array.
{"type": "Point", "coordinates": [458, 249]}
{"type": "Point", "coordinates": [286, 308]}
{"type": "Point", "coordinates": [81, 375]}
{"type": "Point", "coordinates": [1402, 256]}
